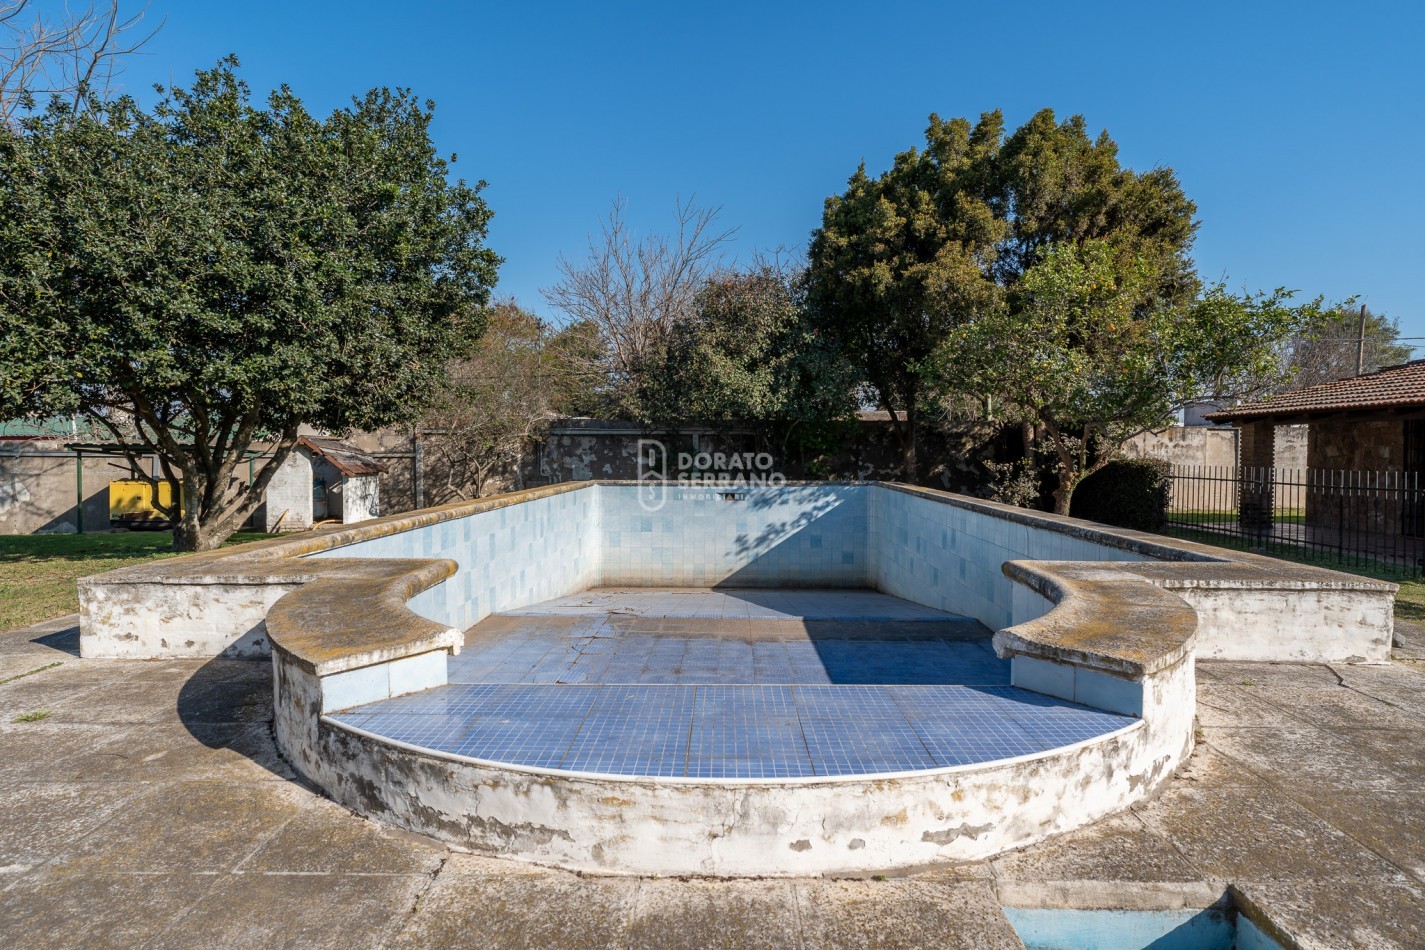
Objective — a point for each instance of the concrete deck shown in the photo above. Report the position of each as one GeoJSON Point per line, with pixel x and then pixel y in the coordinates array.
{"type": "Point", "coordinates": [150, 808]}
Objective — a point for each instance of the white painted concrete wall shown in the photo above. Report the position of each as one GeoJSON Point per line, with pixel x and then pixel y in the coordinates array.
{"type": "Point", "coordinates": [1237, 622]}
{"type": "Point", "coordinates": [360, 498]}
{"type": "Point", "coordinates": [737, 827]}
{"type": "Point", "coordinates": [289, 493]}
{"type": "Point", "coordinates": [189, 619]}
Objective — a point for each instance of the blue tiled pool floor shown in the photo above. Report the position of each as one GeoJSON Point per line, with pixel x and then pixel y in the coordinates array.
{"type": "Point", "coordinates": [734, 604]}
{"type": "Point", "coordinates": [646, 683]}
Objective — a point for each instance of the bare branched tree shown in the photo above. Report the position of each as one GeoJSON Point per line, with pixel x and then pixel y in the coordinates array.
{"type": "Point", "coordinates": [493, 407]}
{"type": "Point", "coordinates": [1345, 340]}
{"type": "Point", "coordinates": [72, 51]}
{"type": "Point", "coordinates": [634, 291]}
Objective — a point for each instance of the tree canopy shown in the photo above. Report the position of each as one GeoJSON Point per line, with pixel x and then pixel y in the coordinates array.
{"type": "Point", "coordinates": [1326, 349]}
{"type": "Point", "coordinates": [214, 273]}
{"type": "Point", "coordinates": [939, 239]}
{"type": "Point", "coordinates": [1086, 349]}
{"type": "Point", "coordinates": [495, 403]}
{"type": "Point", "coordinates": [746, 354]}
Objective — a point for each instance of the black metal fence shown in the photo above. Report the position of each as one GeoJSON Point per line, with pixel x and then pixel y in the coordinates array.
{"type": "Point", "coordinates": [1351, 518]}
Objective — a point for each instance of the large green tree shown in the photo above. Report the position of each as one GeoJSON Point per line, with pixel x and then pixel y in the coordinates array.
{"type": "Point", "coordinates": [205, 276]}
{"type": "Point", "coordinates": [902, 258]}
{"type": "Point", "coordinates": [747, 354]}
{"type": "Point", "coordinates": [1088, 350]}
{"type": "Point", "coordinates": [943, 237]}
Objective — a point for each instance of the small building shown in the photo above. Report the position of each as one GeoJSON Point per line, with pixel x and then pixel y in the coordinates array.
{"type": "Point", "coordinates": [1197, 413]}
{"type": "Point", "coordinates": [1365, 446]}
{"type": "Point", "coordinates": [321, 480]}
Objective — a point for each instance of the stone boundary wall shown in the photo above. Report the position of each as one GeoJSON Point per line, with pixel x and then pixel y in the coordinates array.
{"type": "Point", "coordinates": [1214, 446]}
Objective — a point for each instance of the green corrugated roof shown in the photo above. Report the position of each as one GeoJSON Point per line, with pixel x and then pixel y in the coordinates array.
{"type": "Point", "coordinates": [67, 428]}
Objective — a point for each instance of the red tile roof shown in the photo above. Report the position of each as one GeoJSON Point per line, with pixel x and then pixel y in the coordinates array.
{"type": "Point", "coordinates": [1394, 387]}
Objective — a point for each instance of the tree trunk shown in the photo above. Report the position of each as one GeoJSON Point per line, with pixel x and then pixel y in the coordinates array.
{"type": "Point", "coordinates": [1067, 478]}
{"type": "Point", "coordinates": [191, 535]}
{"type": "Point", "coordinates": [906, 432]}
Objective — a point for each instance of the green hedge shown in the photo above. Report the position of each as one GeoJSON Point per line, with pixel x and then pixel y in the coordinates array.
{"type": "Point", "coordinates": [1128, 493]}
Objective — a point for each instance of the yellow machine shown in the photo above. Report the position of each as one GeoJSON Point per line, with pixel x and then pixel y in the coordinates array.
{"type": "Point", "coordinates": [131, 503]}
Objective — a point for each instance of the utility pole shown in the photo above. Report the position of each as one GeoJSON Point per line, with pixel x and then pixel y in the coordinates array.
{"type": "Point", "coordinates": [1361, 343]}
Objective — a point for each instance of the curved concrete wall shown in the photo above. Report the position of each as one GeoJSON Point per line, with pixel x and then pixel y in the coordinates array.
{"type": "Point", "coordinates": [738, 828]}
{"type": "Point", "coordinates": [1078, 636]}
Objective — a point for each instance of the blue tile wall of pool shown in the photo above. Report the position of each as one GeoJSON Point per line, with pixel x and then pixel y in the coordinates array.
{"type": "Point", "coordinates": [797, 536]}
{"type": "Point", "coordinates": [915, 548]}
{"type": "Point", "coordinates": [949, 557]}
{"type": "Point", "coordinates": [509, 557]}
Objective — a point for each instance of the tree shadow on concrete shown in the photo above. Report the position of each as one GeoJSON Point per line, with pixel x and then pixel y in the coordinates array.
{"type": "Point", "coordinates": [227, 704]}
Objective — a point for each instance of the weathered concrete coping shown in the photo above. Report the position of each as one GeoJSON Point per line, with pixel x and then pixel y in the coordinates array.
{"type": "Point", "coordinates": [1254, 572]}
{"type": "Point", "coordinates": [1103, 618]}
{"type": "Point", "coordinates": [354, 614]}
{"type": "Point", "coordinates": [1119, 622]}
{"type": "Point", "coordinates": [333, 615]}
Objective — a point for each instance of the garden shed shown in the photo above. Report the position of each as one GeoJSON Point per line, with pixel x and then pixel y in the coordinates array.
{"type": "Point", "coordinates": [322, 479]}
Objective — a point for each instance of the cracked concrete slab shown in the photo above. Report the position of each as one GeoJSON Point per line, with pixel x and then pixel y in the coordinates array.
{"type": "Point", "coordinates": [1340, 707]}
{"type": "Point", "coordinates": [511, 907]}
{"type": "Point", "coordinates": [1210, 766]}
{"type": "Point", "coordinates": [197, 826]}
{"type": "Point", "coordinates": [97, 910]}
{"type": "Point", "coordinates": [1227, 673]}
{"type": "Point", "coordinates": [306, 911]}
{"type": "Point", "coordinates": [164, 752]}
{"type": "Point", "coordinates": [183, 828]}
{"type": "Point", "coordinates": [1117, 849]}
{"type": "Point", "coordinates": [902, 913]}
{"type": "Point", "coordinates": [705, 915]}
{"type": "Point", "coordinates": [39, 751]}
{"type": "Point", "coordinates": [1373, 819]}
{"type": "Point", "coordinates": [1231, 706]}
{"type": "Point", "coordinates": [1342, 913]}
{"type": "Point", "coordinates": [325, 838]}
{"type": "Point", "coordinates": [1261, 833]}
{"type": "Point", "coordinates": [1305, 755]}
{"type": "Point", "coordinates": [44, 820]}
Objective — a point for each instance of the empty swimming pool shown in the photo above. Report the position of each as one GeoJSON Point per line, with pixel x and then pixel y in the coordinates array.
{"type": "Point", "coordinates": [733, 683]}
{"type": "Point", "coordinates": [778, 680]}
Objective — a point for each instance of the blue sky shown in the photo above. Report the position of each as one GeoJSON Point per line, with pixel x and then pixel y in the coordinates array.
{"type": "Point", "coordinates": [1298, 128]}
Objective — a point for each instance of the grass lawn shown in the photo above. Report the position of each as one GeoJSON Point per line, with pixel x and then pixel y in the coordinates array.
{"type": "Point", "coordinates": [38, 571]}
{"type": "Point", "coordinates": [1280, 516]}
